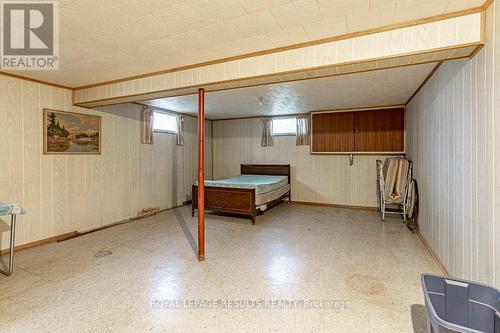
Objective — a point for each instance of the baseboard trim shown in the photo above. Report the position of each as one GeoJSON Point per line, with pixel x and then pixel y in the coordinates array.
{"type": "Point", "coordinates": [433, 255]}
{"type": "Point", "coordinates": [73, 234]}
{"type": "Point", "coordinates": [310, 203]}
{"type": "Point", "coordinates": [111, 225]}
{"type": "Point", "coordinates": [40, 242]}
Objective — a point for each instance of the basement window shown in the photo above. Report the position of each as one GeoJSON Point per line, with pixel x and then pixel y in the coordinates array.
{"type": "Point", "coordinates": [284, 126]}
{"type": "Point", "coordinates": [164, 122]}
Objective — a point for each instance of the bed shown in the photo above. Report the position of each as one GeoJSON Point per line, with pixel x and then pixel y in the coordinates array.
{"type": "Point", "coordinates": [258, 188]}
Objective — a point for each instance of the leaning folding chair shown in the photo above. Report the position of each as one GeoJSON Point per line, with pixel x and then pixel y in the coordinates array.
{"type": "Point", "coordinates": [393, 180]}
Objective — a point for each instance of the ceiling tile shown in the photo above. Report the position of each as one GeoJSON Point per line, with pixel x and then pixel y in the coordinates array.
{"type": "Point", "coordinates": [64, 3]}
{"type": "Point", "coordinates": [257, 5]}
{"type": "Point", "coordinates": [374, 18]}
{"type": "Point", "coordinates": [152, 55]}
{"type": "Point", "coordinates": [456, 5]}
{"type": "Point", "coordinates": [140, 8]}
{"type": "Point", "coordinates": [377, 4]}
{"type": "Point", "coordinates": [289, 36]}
{"type": "Point", "coordinates": [254, 44]}
{"type": "Point", "coordinates": [191, 40]}
{"type": "Point", "coordinates": [157, 45]}
{"type": "Point", "coordinates": [213, 11]}
{"type": "Point", "coordinates": [73, 50]}
{"type": "Point", "coordinates": [326, 28]}
{"type": "Point", "coordinates": [342, 7]}
{"type": "Point", "coordinates": [90, 65]}
{"type": "Point", "coordinates": [258, 23]}
{"type": "Point", "coordinates": [79, 15]}
{"type": "Point", "coordinates": [219, 51]}
{"type": "Point", "coordinates": [149, 28]}
{"type": "Point", "coordinates": [180, 17]}
{"type": "Point", "coordinates": [407, 10]}
{"type": "Point", "coordinates": [222, 32]}
{"type": "Point", "coordinates": [296, 13]}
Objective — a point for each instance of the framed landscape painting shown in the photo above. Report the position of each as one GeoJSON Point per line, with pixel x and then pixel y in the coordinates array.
{"type": "Point", "coordinates": [71, 133]}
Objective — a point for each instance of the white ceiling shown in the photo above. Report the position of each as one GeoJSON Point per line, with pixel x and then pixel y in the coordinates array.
{"type": "Point", "coordinates": [103, 40]}
{"type": "Point", "coordinates": [382, 87]}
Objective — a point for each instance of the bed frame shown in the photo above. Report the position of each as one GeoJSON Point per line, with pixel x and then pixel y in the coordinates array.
{"type": "Point", "coordinates": [241, 201]}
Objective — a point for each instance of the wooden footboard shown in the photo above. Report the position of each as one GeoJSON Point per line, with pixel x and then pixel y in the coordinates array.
{"type": "Point", "coordinates": [228, 200]}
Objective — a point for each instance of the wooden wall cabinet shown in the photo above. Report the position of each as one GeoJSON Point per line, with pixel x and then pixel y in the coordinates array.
{"type": "Point", "coordinates": [357, 132]}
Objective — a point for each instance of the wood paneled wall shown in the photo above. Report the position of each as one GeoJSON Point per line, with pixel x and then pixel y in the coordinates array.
{"type": "Point", "coordinates": [453, 128]}
{"type": "Point", "coordinates": [325, 179]}
{"type": "Point", "coordinates": [67, 193]}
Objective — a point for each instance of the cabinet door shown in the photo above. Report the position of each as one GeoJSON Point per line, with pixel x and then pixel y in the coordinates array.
{"type": "Point", "coordinates": [380, 130]}
{"type": "Point", "coordinates": [332, 132]}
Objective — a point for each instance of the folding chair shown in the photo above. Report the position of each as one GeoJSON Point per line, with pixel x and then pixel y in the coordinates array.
{"type": "Point", "coordinates": [393, 180]}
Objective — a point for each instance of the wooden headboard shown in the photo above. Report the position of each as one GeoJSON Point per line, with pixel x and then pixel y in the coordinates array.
{"type": "Point", "coordinates": [266, 169]}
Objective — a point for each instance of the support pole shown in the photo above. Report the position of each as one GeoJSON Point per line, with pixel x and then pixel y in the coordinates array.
{"type": "Point", "coordinates": [201, 174]}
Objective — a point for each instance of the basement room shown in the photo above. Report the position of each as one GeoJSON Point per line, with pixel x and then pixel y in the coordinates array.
{"type": "Point", "coordinates": [250, 166]}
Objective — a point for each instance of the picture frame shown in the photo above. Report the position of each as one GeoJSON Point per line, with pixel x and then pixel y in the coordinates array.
{"type": "Point", "coordinates": [71, 133]}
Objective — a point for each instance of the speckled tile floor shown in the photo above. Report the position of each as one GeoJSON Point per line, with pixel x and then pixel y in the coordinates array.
{"type": "Point", "coordinates": [143, 276]}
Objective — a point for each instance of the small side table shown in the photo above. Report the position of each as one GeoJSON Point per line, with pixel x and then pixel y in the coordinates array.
{"type": "Point", "coordinates": [13, 210]}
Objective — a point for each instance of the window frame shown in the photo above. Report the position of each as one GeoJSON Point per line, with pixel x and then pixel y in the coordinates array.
{"type": "Point", "coordinates": [294, 133]}
{"type": "Point", "coordinates": [162, 130]}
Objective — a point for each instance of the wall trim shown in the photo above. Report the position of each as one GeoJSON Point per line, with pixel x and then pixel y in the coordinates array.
{"type": "Point", "coordinates": [361, 108]}
{"type": "Point", "coordinates": [472, 55]}
{"type": "Point", "coordinates": [487, 4]}
{"type": "Point", "coordinates": [433, 255]}
{"type": "Point", "coordinates": [261, 116]}
{"type": "Point", "coordinates": [424, 82]}
{"type": "Point", "coordinates": [476, 51]}
{"type": "Point", "coordinates": [40, 242]}
{"type": "Point", "coordinates": [74, 234]}
{"type": "Point", "coordinates": [25, 78]}
{"type": "Point", "coordinates": [114, 224]}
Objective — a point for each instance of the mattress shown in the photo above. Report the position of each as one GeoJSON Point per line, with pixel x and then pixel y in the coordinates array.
{"type": "Point", "coordinates": [263, 198]}
{"type": "Point", "coordinates": [261, 183]}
